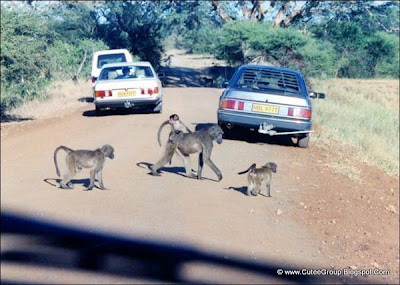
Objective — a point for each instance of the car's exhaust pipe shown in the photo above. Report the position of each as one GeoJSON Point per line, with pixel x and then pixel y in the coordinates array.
{"type": "Point", "coordinates": [229, 126]}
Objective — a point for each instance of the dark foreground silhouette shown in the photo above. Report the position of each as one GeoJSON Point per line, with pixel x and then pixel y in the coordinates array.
{"type": "Point", "coordinates": [158, 261]}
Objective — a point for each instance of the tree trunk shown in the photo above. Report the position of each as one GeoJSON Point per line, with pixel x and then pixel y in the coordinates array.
{"type": "Point", "coordinates": [279, 17]}
{"type": "Point", "coordinates": [75, 77]}
{"type": "Point", "coordinates": [217, 7]}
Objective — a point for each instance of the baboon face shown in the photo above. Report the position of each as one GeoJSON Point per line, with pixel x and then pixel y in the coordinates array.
{"type": "Point", "coordinates": [272, 166]}
{"type": "Point", "coordinates": [108, 151]}
{"type": "Point", "coordinates": [173, 119]}
{"type": "Point", "coordinates": [216, 133]}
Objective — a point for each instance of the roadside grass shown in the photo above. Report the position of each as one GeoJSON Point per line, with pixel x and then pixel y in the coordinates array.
{"type": "Point", "coordinates": [63, 97]}
{"type": "Point", "coordinates": [359, 118]}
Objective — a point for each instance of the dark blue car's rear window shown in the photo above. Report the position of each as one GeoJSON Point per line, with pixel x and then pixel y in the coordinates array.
{"type": "Point", "coordinates": [267, 79]}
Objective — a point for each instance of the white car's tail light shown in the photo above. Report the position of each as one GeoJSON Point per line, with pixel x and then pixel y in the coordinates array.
{"type": "Point", "coordinates": [150, 91]}
{"type": "Point", "coordinates": [103, 93]}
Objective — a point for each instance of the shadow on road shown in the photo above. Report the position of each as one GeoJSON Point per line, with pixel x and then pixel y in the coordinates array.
{"type": "Point", "coordinates": [86, 99]}
{"type": "Point", "coordinates": [6, 118]}
{"type": "Point", "coordinates": [173, 169]}
{"type": "Point", "coordinates": [116, 112]}
{"type": "Point", "coordinates": [177, 76]}
{"type": "Point", "coordinates": [242, 189]}
{"type": "Point", "coordinates": [54, 245]}
{"type": "Point", "coordinates": [254, 137]}
{"type": "Point", "coordinates": [84, 182]}
{"type": "Point", "coordinates": [201, 126]}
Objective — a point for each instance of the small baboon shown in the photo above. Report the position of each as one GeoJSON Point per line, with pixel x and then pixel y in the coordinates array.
{"type": "Point", "coordinates": [176, 125]}
{"type": "Point", "coordinates": [208, 82]}
{"type": "Point", "coordinates": [78, 159]}
{"type": "Point", "coordinates": [188, 143]}
{"type": "Point", "coordinates": [257, 176]}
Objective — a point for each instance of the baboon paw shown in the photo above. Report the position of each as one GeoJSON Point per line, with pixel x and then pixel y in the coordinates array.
{"type": "Point", "coordinates": [66, 187]}
{"type": "Point", "coordinates": [88, 189]}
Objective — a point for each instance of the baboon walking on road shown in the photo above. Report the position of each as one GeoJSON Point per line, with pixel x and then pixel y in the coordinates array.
{"type": "Point", "coordinates": [189, 143]}
{"type": "Point", "coordinates": [176, 125]}
{"type": "Point", "coordinates": [257, 176]}
{"type": "Point", "coordinates": [78, 159]}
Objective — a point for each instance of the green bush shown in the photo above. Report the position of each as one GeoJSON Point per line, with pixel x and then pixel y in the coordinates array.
{"type": "Point", "coordinates": [243, 42]}
{"type": "Point", "coordinates": [33, 54]}
{"type": "Point", "coordinates": [360, 54]}
{"type": "Point", "coordinates": [25, 38]}
{"type": "Point", "coordinates": [67, 57]}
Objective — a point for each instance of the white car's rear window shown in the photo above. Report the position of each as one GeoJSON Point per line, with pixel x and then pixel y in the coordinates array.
{"type": "Point", "coordinates": [126, 72]}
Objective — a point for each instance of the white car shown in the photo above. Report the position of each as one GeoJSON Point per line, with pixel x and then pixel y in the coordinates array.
{"type": "Point", "coordinates": [128, 85]}
{"type": "Point", "coordinates": [103, 57]}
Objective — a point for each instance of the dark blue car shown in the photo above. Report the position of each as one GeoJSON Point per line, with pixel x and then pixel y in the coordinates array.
{"type": "Point", "coordinates": [273, 100]}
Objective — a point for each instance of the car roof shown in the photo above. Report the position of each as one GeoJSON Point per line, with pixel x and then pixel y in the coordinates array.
{"type": "Point", "coordinates": [137, 63]}
{"type": "Point", "coordinates": [271, 68]}
{"type": "Point", "coordinates": [110, 51]}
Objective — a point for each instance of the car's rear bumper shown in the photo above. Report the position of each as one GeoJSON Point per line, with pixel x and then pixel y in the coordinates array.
{"type": "Point", "coordinates": [248, 120]}
{"type": "Point", "coordinates": [128, 103]}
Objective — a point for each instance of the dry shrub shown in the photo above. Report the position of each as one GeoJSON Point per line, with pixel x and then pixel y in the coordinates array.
{"type": "Point", "coordinates": [64, 97]}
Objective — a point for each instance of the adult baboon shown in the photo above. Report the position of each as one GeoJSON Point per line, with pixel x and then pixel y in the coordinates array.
{"type": "Point", "coordinates": [257, 176]}
{"type": "Point", "coordinates": [176, 125]}
{"type": "Point", "coordinates": [78, 159]}
{"type": "Point", "coordinates": [189, 143]}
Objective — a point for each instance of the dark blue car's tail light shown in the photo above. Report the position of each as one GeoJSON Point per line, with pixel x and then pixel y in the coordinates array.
{"type": "Point", "coordinates": [299, 112]}
{"type": "Point", "coordinates": [232, 104]}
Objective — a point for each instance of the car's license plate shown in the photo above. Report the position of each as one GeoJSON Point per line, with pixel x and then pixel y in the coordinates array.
{"type": "Point", "coordinates": [129, 93]}
{"type": "Point", "coordinates": [265, 109]}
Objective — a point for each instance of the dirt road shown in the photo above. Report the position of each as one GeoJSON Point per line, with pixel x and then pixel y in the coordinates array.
{"type": "Point", "coordinates": [315, 219]}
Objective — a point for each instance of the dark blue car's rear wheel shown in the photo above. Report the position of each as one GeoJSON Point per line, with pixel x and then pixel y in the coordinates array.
{"type": "Point", "coordinates": [227, 132]}
{"type": "Point", "coordinates": [303, 141]}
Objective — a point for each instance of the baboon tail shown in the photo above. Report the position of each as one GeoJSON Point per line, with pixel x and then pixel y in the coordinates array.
{"type": "Point", "coordinates": [188, 130]}
{"type": "Point", "coordinates": [67, 149]}
{"type": "Point", "coordinates": [247, 170]}
{"type": "Point", "coordinates": [159, 131]}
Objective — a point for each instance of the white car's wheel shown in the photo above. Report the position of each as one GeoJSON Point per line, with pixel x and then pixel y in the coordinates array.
{"type": "Point", "coordinates": [98, 110]}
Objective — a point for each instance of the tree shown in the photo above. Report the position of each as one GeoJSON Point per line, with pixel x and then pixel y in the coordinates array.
{"type": "Point", "coordinates": [246, 42]}
{"type": "Point", "coordinates": [135, 25]}
{"type": "Point", "coordinates": [25, 38]}
{"type": "Point", "coordinates": [380, 15]}
{"type": "Point", "coordinates": [191, 26]}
